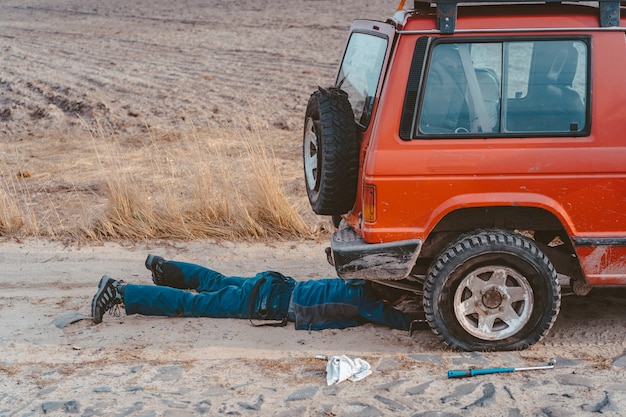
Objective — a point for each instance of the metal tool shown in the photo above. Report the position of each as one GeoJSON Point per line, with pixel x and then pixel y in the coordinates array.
{"type": "Point", "coordinates": [486, 371]}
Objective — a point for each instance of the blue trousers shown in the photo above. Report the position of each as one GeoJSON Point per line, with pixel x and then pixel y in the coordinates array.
{"type": "Point", "coordinates": [216, 295]}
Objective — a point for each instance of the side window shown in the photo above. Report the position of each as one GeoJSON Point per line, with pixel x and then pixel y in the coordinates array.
{"type": "Point", "coordinates": [505, 88]}
{"type": "Point", "coordinates": [445, 105]}
{"type": "Point", "coordinates": [546, 87]}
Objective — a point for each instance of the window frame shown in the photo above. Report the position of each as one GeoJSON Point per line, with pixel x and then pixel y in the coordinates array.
{"type": "Point", "coordinates": [415, 134]}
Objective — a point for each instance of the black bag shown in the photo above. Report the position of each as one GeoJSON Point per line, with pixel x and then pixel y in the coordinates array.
{"type": "Point", "coordinates": [270, 298]}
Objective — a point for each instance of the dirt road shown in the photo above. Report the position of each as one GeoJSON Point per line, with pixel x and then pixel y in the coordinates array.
{"type": "Point", "coordinates": [55, 361]}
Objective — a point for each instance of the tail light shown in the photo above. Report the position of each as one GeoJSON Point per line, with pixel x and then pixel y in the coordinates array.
{"type": "Point", "coordinates": [369, 203]}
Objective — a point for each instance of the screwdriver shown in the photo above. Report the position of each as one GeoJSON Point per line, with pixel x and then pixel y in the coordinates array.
{"type": "Point", "coordinates": [486, 371]}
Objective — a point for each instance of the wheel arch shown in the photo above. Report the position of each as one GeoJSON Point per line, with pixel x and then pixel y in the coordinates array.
{"type": "Point", "coordinates": [538, 223]}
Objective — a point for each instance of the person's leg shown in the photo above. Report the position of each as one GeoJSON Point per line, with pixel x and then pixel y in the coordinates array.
{"type": "Point", "coordinates": [185, 275]}
{"type": "Point", "coordinates": [201, 278]}
{"type": "Point", "coordinates": [227, 302]}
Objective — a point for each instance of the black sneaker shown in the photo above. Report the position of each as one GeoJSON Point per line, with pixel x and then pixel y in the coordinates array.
{"type": "Point", "coordinates": [155, 263]}
{"type": "Point", "coordinates": [109, 295]}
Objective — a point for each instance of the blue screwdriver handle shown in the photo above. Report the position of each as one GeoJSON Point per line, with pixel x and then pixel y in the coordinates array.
{"type": "Point", "coordinates": [474, 372]}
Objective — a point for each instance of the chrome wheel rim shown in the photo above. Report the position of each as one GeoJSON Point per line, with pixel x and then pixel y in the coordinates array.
{"type": "Point", "coordinates": [493, 302]}
{"type": "Point", "coordinates": [311, 154]}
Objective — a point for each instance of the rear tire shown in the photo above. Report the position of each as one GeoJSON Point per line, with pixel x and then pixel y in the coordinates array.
{"type": "Point", "coordinates": [491, 290]}
{"type": "Point", "coordinates": [330, 152]}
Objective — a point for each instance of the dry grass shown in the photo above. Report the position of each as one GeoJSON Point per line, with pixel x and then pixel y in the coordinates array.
{"type": "Point", "coordinates": [184, 185]}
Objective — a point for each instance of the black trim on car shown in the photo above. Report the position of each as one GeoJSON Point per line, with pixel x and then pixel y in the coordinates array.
{"type": "Point", "coordinates": [412, 89]}
{"type": "Point", "coordinates": [599, 241]}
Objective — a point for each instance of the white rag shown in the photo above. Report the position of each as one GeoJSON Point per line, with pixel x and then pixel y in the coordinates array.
{"type": "Point", "coordinates": [340, 368]}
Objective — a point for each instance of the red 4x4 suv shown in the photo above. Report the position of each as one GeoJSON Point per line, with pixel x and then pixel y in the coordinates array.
{"type": "Point", "coordinates": [475, 154]}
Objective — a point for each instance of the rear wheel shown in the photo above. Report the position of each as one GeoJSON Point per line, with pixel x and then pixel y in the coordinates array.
{"type": "Point", "coordinates": [330, 152]}
{"type": "Point", "coordinates": [492, 290]}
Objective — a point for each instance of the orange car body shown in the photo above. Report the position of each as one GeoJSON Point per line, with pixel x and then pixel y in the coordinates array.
{"type": "Point", "coordinates": [410, 190]}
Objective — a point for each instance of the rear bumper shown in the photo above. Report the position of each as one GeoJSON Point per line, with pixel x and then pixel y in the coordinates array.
{"type": "Point", "coordinates": [354, 258]}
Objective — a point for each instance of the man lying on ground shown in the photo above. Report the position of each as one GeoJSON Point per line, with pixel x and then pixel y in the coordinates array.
{"type": "Point", "coordinates": [312, 305]}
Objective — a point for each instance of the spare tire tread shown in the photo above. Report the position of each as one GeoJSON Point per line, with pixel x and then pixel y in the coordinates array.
{"type": "Point", "coordinates": [335, 191]}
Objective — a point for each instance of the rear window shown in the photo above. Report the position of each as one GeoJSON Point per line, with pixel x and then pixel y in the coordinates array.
{"type": "Point", "coordinates": [360, 72]}
{"type": "Point", "coordinates": [505, 88]}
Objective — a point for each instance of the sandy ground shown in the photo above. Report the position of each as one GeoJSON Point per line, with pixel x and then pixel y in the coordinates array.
{"type": "Point", "coordinates": [132, 66]}
{"type": "Point", "coordinates": [56, 361]}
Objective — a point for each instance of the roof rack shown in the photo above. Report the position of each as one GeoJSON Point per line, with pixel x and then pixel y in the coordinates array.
{"type": "Point", "coordinates": [447, 10]}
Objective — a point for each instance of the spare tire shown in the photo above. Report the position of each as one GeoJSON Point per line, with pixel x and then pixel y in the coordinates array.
{"type": "Point", "coordinates": [330, 152]}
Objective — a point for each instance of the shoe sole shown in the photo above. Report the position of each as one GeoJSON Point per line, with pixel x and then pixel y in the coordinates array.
{"type": "Point", "coordinates": [149, 260]}
{"type": "Point", "coordinates": [105, 282]}
{"type": "Point", "coordinates": [151, 264]}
